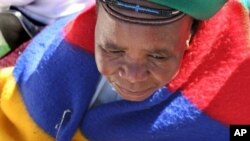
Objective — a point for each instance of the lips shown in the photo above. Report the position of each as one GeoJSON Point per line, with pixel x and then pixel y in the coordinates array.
{"type": "Point", "coordinates": [136, 95]}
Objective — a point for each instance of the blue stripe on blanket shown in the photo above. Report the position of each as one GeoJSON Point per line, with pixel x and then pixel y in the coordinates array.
{"type": "Point", "coordinates": [162, 117]}
{"type": "Point", "coordinates": [54, 77]}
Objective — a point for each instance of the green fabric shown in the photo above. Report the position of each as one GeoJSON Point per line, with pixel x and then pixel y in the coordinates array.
{"type": "Point", "coordinates": [199, 9]}
{"type": "Point", "coordinates": [4, 47]}
{"type": "Point", "coordinates": [246, 4]}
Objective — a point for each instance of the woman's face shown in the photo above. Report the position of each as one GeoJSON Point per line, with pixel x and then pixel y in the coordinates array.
{"type": "Point", "coordinates": [138, 59]}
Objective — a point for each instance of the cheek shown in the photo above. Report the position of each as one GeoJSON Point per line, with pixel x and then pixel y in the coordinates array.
{"type": "Point", "coordinates": [100, 65]}
{"type": "Point", "coordinates": [105, 64]}
{"type": "Point", "coordinates": [165, 72]}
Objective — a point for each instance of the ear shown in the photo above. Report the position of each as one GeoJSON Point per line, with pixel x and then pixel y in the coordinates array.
{"type": "Point", "coordinates": [188, 40]}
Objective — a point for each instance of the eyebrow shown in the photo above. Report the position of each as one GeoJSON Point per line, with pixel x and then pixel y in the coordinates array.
{"type": "Point", "coordinates": [111, 45]}
{"type": "Point", "coordinates": [159, 50]}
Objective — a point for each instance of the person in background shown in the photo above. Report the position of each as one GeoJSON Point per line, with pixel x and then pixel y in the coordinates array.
{"type": "Point", "coordinates": [126, 70]}
{"type": "Point", "coordinates": [21, 20]}
{"type": "Point", "coordinates": [45, 11]}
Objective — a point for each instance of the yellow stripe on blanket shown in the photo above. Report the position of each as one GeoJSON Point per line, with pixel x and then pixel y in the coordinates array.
{"type": "Point", "coordinates": [15, 122]}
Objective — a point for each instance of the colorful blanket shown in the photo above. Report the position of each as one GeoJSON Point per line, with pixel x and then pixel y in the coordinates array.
{"type": "Point", "coordinates": [46, 96]}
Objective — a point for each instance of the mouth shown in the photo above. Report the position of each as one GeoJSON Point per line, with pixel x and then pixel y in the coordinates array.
{"type": "Point", "coordinates": [133, 95]}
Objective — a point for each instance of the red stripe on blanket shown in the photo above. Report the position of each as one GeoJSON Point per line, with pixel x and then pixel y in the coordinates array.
{"type": "Point", "coordinates": [80, 31]}
{"type": "Point", "coordinates": [215, 73]}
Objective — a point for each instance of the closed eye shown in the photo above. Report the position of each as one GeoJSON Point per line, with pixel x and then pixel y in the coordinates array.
{"type": "Point", "coordinates": [112, 50]}
{"type": "Point", "coordinates": [157, 56]}
{"type": "Point", "coordinates": [115, 51]}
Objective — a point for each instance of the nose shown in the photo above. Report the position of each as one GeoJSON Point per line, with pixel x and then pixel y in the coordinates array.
{"type": "Point", "coordinates": [134, 72]}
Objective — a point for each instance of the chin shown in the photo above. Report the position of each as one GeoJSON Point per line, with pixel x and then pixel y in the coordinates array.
{"type": "Point", "coordinates": [135, 96]}
{"type": "Point", "coordinates": [139, 99]}
{"type": "Point", "coordinates": [134, 99]}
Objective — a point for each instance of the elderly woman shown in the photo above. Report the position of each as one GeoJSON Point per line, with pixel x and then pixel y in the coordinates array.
{"type": "Point", "coordinates": [129, 70]}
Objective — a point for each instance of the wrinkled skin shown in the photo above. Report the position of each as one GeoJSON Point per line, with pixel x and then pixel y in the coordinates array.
{"type": "Point", "coordinates": [138, 59]}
